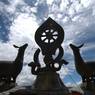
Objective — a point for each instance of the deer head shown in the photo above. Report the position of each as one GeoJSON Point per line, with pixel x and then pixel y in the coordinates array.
{"type": "Point", "coordinates": [24, 46]}
{"type": "Point", "coordinates": [75, 48]}
{"type": "Point", "coordinates": [20, 53]}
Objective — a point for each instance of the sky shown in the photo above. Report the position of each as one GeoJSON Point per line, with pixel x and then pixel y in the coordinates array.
{"type": "Point", "coordinates": [19, 20]}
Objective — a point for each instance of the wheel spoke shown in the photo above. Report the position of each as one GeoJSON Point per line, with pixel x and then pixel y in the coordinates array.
{"type": "Point", "coordinates": [49, 41]}
{"type": "Point", "coordinates": [52, 31]}
{"type": "Point", "coordinates": [44, 39]}
{"type": "Point", "coordinates": [49, 31]}
{"type": "Point", "coordinates": [55, 35]}
{"type": "Point", "coordinates": [53, 39]}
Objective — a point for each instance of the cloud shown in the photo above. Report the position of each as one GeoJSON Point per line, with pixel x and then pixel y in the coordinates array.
{"type": "Point", "coordinates": [50, 1]}
{"type": "Point", "coordinates": [63, 72]}
{"type": "Point", "coordinates": [23, 17]}
{"type": "Point", "coordinates": [30, 2]}
{"type": "Point", "coordinates": [4, 1]}
{"type": "Point", "coordinates": [23, 26]}
{"type": "Point", "coordinates": [42, 10]}
{"type": "Point", "coordinates": [25, 78]}
{"type": "Point", "coordinates": [77, 84]}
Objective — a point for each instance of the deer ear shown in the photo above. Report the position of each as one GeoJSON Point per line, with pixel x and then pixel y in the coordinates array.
{"type": "Point", "coordinates": [15, 46]}
{"type": "Point", "coordinates": [81, 46]}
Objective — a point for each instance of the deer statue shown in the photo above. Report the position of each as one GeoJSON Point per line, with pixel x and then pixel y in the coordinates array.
{"type": "Point", "coordinates": [10, 69]}
{"type": "Point", "coordinates": [82, 67]}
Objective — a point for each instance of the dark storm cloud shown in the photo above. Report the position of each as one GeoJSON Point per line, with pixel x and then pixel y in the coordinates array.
{"type": "Point", "coordinates": [89, 55]}
{"type": "Point", "coordinates": [4, 26]}
{"type": "Point", "coordinates": [90, 33]}
{"type": "Point", "coordinates": [87, 35]}
{"type": "Point", "coordinates": [5, 1]}
{"type": "Point", "coordinates": [42, 10]}
{"type": "Point", "coordinates": [30, 2]}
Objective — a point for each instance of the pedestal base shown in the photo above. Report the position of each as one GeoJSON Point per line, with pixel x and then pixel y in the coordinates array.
{"type": "Point", "coordinates": [50, 83]}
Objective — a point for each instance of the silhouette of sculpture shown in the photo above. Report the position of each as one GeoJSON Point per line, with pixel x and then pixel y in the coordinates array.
{"type": "Point", "coordinates": [10, 69]}
{"type": "Point", "coordinates": [83, 68]}
{"type": "Point", "coordinates": [49, 36]}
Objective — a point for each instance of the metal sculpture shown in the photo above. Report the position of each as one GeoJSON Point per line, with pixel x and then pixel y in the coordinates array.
{"type": "Point", "coordinates": [49, 36]}
{"type": "Point", "coordinates": [83, 68]}
{"type": "Point", "coordinates": [11, 69]}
